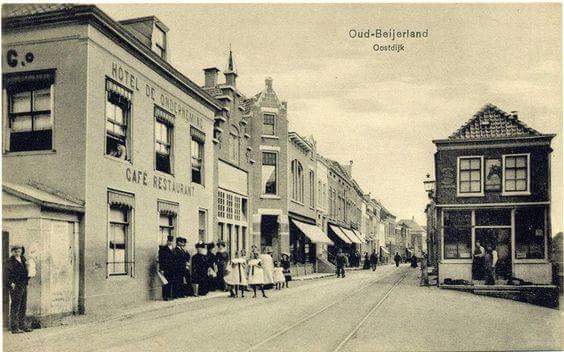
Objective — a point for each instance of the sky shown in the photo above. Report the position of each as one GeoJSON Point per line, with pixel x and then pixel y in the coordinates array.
{"type": "Point", "coordinates": [381, 109]}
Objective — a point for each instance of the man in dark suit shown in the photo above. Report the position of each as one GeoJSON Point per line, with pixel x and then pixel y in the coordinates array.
{"type": "Point", "coordinates": [166, 267]}
{"type": "Point", "coordinates": [181, 269]}
{"type": "Point", "coordinates": [17, 279]}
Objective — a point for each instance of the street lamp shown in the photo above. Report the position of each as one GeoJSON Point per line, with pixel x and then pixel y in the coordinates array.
{"type": "Point", "coordinates": [429, 186]}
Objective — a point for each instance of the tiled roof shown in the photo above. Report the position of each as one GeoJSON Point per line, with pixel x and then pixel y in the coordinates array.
{"type": "Point", "coordinates": [492, 122]}
{"type": "Point", "coordinates": [14, 10]}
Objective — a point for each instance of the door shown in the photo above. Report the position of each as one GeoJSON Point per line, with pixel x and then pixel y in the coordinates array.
{"type": "Point", "coordinates": [62, 270]}
{"type": "Point", "coordinates": [500, 239]}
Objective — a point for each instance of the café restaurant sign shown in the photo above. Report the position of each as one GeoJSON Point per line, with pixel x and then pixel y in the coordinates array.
{"type": "Point", "coordinates": [134, 82]}
{"type": "Point", "coordinates": [157, 182]}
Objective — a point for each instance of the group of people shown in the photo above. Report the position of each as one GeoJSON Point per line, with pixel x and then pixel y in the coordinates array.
{"type": "Point", "coordinates": [342, 260]}
{"type": "Point", "coordinates": [484, 263]}
{"type": "Point", "coordinates": [211, 269]}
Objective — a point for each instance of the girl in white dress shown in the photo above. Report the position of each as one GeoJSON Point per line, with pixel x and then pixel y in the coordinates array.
{"type": "Point", "coordinates": [279, 278]}
{"type": "Point", "coordinates": [256, 275]}
{"type": "Point", "coordinates": [236, 277]}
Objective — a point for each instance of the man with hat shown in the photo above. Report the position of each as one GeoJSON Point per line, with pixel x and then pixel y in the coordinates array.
{"type": "Point", "coordinates": [166, 267]}
{"type": "Point", "coordinates": [200, 268]}
{"type": "Point", "coordinates": [17, 279]}
{"type": "Point", "coordinates": [181, 268]}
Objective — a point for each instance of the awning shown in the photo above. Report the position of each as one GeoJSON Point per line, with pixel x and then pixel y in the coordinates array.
{"type": "Point", "coordinates": [312, 232]}
{"type": "Point", "coordinates": [384, 250]}
{"type": "Point", "coordinates": [350, 234]}
{"type": "Point", "coordinates": [339, 232]}
{"type": "Point", "coordinates": [360, 235]}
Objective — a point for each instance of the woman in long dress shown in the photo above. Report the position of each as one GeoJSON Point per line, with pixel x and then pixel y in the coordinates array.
{"type": "Point", "coordinates": [256, 275]}
{"type": "Point", "coordinates": [236, 276]}
{"type": "Point", "coordinates": [267, 264]}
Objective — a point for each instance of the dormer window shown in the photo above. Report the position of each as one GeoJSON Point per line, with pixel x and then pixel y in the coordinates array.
{"type": "Point", "coordinates": [159, 42]}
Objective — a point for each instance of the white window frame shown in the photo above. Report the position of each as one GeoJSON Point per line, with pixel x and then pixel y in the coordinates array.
{"type": "Point", "coordinates": [470, 194]}
{"type": "Point", "coordinates": [274, 126]}
{"type": "Point", "coordinates": [527, 192]}
{"type": "Point", "coordinates": [171, 131]}
{"type": "Point", "coordinates": [262, 192]}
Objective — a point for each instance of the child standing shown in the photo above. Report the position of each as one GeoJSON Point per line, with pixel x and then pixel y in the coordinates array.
{"type": "Point", "coordinates": [286, 268]}
{"type": "Point", "coordinates": [279, 278]}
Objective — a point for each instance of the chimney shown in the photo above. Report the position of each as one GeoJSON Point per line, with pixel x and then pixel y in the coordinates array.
{"type": "Point", "coordinates": [210, 75]}
{"type": "Point", "coordinates": [268, 83]}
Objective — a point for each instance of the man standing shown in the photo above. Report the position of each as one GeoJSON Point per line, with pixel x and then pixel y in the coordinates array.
{"type": "Point", "coordinates": [341, 261]}
{"type": "Point", "coordinates": [397, 259]}
{"type": "Point", "coordinates": [222, 262]}
{"type": "Point", "coordinates": [181, 269]}
{"type": "Point", "coordinates": [373, 260]}
{"type": "Point", "coordinates": [17, 279]}
{"type": "Point", "coordinates": [166, 267]}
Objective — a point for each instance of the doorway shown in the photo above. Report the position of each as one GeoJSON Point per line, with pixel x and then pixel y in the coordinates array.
{"type": "Point", "coordinates": [268, 230]}
{"type": "Point", "coordinates": [498, 238]}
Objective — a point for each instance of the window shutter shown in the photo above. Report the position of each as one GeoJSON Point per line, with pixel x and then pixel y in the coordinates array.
{"type": "Point", "coordinates": [167, 208]}
{"type": "Point", "coordinates": [164, 115]}
{"type": "Point", "coordinates": [121, 199]}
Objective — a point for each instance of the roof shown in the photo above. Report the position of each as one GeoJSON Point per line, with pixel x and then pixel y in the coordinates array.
{"type": "Point", "coordinates": [16, 16]}
{"type": "Point", "coordinates": [411, 224]}
{"type": "Point", "coordinates": [492, 122]}
{"type": "Point", "coordinates": [41, 197]}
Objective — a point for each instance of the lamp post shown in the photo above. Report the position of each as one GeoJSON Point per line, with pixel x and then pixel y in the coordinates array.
{"type": "Point", "coordinates": [432, 239]}
{"type": "Point", "coordinates": [429, 186]}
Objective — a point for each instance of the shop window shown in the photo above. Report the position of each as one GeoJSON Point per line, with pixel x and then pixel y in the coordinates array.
{"type": "Point", "coordinates": [29, 118]}
{"type": "Point", "coordinates": [516, 173]}
{"type": "Point", "coordinates": [202, 225]}
{"type": "Point", "coordinates": [530, 233]}
{"type": "Point", "coordinates": [163, 145]}
{"type": "Point", "coordinates": [120, 234]}
{"type": "Point", "coordinates": [493, 217]}
{"type": "Point", "coordinates": [118, 108]}
{"type": "Point", "coordinates": [221, 231]}
{"type": "Point", "coordinates": [470, 175]}
{"type": "Point", "coordinates": [269, 173]}
{"type": "Point", "coordinates": [457, 234]}
{"type": "Point", "coordinates": [244, 209]}
{"type": "Point", "coordinates": [268, 125]}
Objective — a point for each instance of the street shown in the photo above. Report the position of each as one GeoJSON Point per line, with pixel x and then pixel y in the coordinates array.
{"type": "Point", "coordinates": [366, 311]}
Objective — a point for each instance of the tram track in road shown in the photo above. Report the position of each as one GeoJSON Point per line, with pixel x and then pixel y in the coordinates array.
{"type": "Point", "coordinates": [298, 326]}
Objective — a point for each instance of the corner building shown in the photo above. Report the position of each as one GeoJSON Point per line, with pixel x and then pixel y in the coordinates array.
{"type": "Point", "coordinates": [110, 140]}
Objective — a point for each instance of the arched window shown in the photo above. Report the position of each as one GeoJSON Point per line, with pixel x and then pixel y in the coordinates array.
{"type": "Point", "coordinates": [311, 189]}
{"type": "Point", "coordinates": [297, 172]}
{"type": "Point", "coordinates": [235, 144]}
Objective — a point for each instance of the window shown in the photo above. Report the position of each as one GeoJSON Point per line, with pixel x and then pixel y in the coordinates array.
{"type": "Point", "coordinates": [297, 172]}
{"type": "Point", "coordinates": [159, 42]}
{"type": "Point", "coordinates": [457, 234]}
{"type": "Point", "coordinates": [197, 162]}
{"type": "Point", "coordinates": [221, 204]}
{"type": "Point", "coordinates": [118, 108]}
{"type": "Point", "coordinates": [229, 207]}
{"type": "Point", "coordinates": [29, 118]}
{"type": "Point", "coordinates": [164, 122]}
{"type": "Point", "coordinates": [530, 233]}
{"type": "Point", "coordinates": [470, 175]}
{"type": "Point", "coordinates": [237, 208]}
{"type": "Point", "coordinates": [268, 125]}
{"type": "Point", "coordinates": [166, 226]}
{"type": "Point", "coordinates": [319, 195]}
{"type": "Point", "coordinates": [235, 144]}
{"type": "Point", "coordinates": [269, 173]}
{"type": "Point", "coordinates": [516, 173]}
{"type": "Point", "coordinates": [120, 234]}
{"type": "Point", "coordinates": [311, 189]}
{"type": "Point", "coordinates": [202, 225]}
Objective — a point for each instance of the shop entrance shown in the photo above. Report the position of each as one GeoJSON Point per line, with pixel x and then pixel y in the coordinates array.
{"type": "Point", "coordinates": [268, 230]}
{"type": "Point", "coordinates": [498, 238]}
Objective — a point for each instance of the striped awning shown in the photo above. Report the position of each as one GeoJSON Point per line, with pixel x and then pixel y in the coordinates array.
{"type": "Point", "coordinates": [167, 208]}
{"type": "Point", "coordinates": [359, 235]}
{"type": "Point", "coordinates": [312, 232]}
{"type": "Point", "coordinates": [339, 232]}
{"type": "Point", "coordinates": [352, 236]}
{"type": "Point", "coordinates": [121, 199]}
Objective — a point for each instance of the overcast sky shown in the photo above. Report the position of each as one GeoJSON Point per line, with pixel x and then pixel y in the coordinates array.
{"type": "Point", "coordinates": [381, 109]}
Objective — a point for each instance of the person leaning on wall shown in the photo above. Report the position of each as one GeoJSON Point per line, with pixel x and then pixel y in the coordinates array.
{"type": "Point", "coordinates": [17, 279]}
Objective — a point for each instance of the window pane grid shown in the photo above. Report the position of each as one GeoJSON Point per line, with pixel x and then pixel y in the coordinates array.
{"type": "Point", "coordinates": [516, 173]}
{"type": "Point", "coordinates": [470, 175]}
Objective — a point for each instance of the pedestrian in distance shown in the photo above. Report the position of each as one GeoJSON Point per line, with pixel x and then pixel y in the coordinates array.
{"type": "Point", "coordinates": [366, 265]}
{"type": "Point", "coordinates": [236, 275]}
{"type": "Point", "coordinates": [166, 268]}
{"type": "Point", "coordinates": [17, 278]}
{"type": "Point", "coordinates": [285, 263]}
{"type": "Point", "coordinates": [373, 260]}
{"type": "Point", "coordinates": [341, 261]}
{"type": "Point", "coordinates": [279, 278]}
{"type": "Point", "coordinates": [424, 272]}
{"type": "Point", "coordinates": [413, 260]}
{"type": "Point", "coordinates": [200, 271]}
{"type": "Point", "coordinates": [256, 275]}
{"type": "Point", "coordinates": [222, 263]}
{"type": "Point", "coordinates": [397, 259]}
